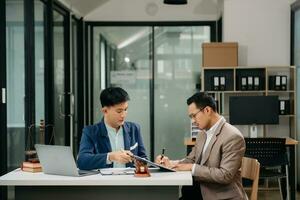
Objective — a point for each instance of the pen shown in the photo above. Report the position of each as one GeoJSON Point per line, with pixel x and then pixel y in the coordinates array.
{"type": "Point", "coordinates": [162, 154]}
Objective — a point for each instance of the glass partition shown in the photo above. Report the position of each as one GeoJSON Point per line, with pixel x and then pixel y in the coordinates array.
{"type": "Point", "coordinates": [15, 76]}
{"type": "Point", "coordinates": [178, 60]}
{"type": "Point", "coordinates": [122, 58]}
{"type": "Point", "coordinates": [74, 86]}
{"type": "Point", "coordinates": [59, 74]}
{"type": "Point", "coordinates": [15, 83]}
{"type": "Point", "coordinates": [39, 69]}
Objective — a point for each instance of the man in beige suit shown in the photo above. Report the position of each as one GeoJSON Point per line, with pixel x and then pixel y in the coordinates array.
{"type": "Point", "coordinates": [217, 156]}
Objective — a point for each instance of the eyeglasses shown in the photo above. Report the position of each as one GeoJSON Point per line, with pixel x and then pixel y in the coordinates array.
{"type": "Point", "coordinates": [194, 115]}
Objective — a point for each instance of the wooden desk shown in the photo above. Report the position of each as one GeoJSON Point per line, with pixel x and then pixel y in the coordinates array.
{"type": "Point", "coordinates": [290, 143]}
{"type": "Point", "coordinates": [36, 186]}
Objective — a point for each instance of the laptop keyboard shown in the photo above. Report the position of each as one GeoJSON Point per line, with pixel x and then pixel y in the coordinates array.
{"type": "Point", "coordinates": [86, 172]}
{"type": "Point", "coordinates": [81, 172]}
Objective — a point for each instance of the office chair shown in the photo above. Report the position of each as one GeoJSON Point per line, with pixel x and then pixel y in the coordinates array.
{"type": "Point", "coordinates": [250, 170]}
{"type": "Point", "coordinates": [271, 154]}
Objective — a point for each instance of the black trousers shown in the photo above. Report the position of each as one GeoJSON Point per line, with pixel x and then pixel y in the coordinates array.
{"type": "Point", "coordinates": [191, 192]}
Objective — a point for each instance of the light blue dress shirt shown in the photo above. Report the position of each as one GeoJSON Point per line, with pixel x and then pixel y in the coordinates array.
{"type": "Point", "coordinates": [116, 141]}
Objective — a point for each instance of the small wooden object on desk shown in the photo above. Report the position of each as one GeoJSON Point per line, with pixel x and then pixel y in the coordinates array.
{"type": "Point", "coordinates": [31, 167]}
{"type": "Point", "coordinates": [141, 169]}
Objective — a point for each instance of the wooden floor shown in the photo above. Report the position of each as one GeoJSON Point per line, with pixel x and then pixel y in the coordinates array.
{"type": "Point", "coordinates": [272, 195]}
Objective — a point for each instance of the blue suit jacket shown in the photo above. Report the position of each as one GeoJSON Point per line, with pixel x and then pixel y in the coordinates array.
{"type": "Point", "coordinates": [95, 145]}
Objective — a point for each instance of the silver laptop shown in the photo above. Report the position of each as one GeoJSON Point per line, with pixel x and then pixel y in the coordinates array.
{"type": "Point", "coordinates": [59, 160]}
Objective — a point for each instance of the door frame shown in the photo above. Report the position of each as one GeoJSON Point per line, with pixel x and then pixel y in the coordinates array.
{"type": "Point", "coordinates": [52, 6]}
{"type": "Point", "coordinates": [3, 105]}
{"type": "Point", "coordinates": [67, 73]}
{"type": "Point", "coordinates": [77, 89]}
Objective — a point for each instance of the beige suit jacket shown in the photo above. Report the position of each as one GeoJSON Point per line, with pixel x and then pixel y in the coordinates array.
{"type": "Point", "coordinates": [218, 170]}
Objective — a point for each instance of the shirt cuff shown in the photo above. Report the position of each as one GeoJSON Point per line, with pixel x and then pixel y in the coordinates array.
{"type": "Point", "coordinates": [193, 169]}
{"type": "Point", "coordinates": [108, 162]}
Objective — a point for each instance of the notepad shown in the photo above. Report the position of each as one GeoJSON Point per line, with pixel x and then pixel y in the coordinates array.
{"type": "Point", "coordinates": [117, 171]}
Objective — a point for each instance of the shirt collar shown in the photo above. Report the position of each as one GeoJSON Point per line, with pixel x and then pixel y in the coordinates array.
{"type": "Point", "coordinates": [111, 129]}
{"type": "Point", "coordinates": [214, 127]}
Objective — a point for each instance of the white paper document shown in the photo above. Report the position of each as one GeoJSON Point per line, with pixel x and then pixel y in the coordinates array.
{"type": "Point", "coordinates": [117, 171]}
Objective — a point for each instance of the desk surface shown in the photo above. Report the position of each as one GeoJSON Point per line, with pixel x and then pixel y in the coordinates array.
{"type": "Point", "coordinates": [288, 141]}
{"type": "Point", "coordinates": [20, 178]}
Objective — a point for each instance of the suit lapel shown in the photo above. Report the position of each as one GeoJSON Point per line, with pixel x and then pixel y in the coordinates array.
{"type": "Point", "coordinates": [126, 137]}
{"type": "Point", "coordinates": [127, 140]}
{"type": "Point", "coordinates": [104, 136]}
{"type": "Point", "coordinates": [202, 139]}
{"type": "Point", "coordinates": [206, 154]}
{"type": "Point", "coordinates": [208, 149]}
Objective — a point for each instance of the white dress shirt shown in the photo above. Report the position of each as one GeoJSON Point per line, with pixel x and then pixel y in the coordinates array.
{"type": "Point", "coordinates": [209, 134]}
{"type": "Point", "coordinates": [116, 139]}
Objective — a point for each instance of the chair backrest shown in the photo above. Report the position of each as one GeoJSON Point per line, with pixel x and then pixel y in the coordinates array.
{"type": "Point", "coordinates": [268, 151]}
{"type": "Point", "coordinates": [250, 170]}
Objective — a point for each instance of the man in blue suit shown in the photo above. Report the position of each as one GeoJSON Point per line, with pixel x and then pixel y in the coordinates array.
{"type": "Point", "coordinates": [111, 142]}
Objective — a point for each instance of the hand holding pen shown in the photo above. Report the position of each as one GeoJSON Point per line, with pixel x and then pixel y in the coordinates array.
{"type": "Point", "coordinates": [162, 155]}
{"type": "Point", "coordinates": [121, 156]}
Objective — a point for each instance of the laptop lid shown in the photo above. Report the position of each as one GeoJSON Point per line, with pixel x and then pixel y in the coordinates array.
{"type": "Point", "coordinates": [57, 160]}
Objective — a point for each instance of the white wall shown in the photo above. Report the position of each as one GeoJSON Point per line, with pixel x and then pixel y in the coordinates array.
{"type": "Point", "coordinates": [155, 10]}
{"type": "Point", "coordinates": [262, 29]}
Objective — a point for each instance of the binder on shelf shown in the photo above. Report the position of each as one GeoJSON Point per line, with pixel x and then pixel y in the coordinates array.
{"type": "Point", "coordinates": [215, 83]}
{"type": "Point", "coordinates": [250, 83]}
{"type": "Point", "coordinates": [283, 82]}
{"type": "Point", "coordinates": [256, 83]}
{"type": "Point", "coordinates": [271, 82]}
{"type": "Point", "coordinates": [277, 82]}
{"type": "Point", "coordinates": [243, 83]}
{"type": "Point", "coordinates": [284, 107]}
{"type": "Point", "coordinates": [222, 83]}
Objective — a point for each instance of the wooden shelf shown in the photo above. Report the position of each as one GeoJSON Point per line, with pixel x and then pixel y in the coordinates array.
{"type": "Point", "coordinates": [288, 141]}
{"type": "Point", "coordinates": [286, 115]}
{"type": "Point", "coordinates": [281, 91]}
{"type": "Point", "coordinates": [238, 91]}
{"type": "Point", "coordinates": [252, 91]}
{"type": "Point", "coordinates": [251, 67]}
{"type": "Point", "coordinates": [211, 91]}
{"type": "Point", "coordinates": [218, 68]}
{"type": "Point", "coordinates": [232, 88]}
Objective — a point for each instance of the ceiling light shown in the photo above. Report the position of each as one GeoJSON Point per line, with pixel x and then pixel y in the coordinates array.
{"type": "Point", "coordinates": [127, 59]}
{"type": "Point", "coordinates": [175, 2]}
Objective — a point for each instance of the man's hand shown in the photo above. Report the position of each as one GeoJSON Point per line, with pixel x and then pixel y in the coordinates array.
{"type": "Point", "coordinates": [183, 167]}
{"type": "Point", "coordinates": [163, 160]}
{"type": "Point", "coordinates": [120, 156]}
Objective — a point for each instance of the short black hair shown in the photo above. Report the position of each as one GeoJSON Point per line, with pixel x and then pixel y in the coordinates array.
{"type": "Point", "coordinates": [202, 99]}
{"type": "Point", "coordinates": [113, 95]}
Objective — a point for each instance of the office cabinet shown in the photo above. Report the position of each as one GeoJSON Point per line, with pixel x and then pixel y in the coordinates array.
{"type": "Point", "coordinates": [255, 81]}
